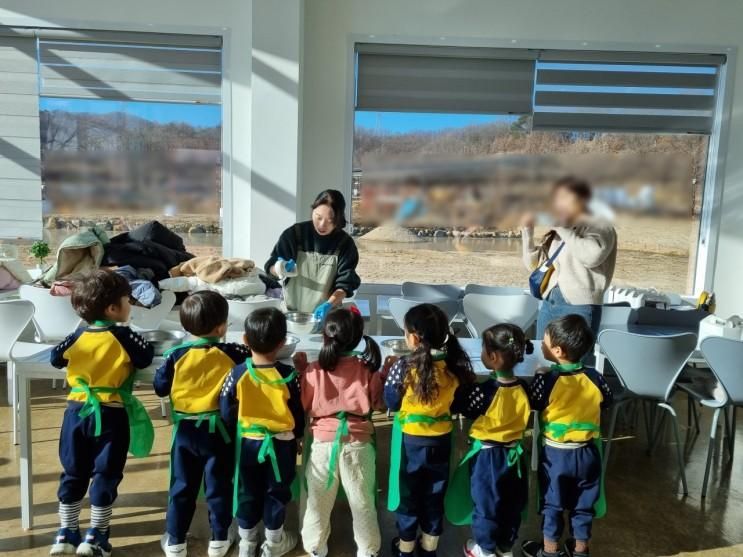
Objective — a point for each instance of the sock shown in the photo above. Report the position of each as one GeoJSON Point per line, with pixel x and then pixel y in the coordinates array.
{"type": "Point", "coordinates": [581, 546]}
{"type": "Point", "coordinates": [429, 542]}
{"type": "Point", "coordinates": [274, 536]}
{"type": "Point", "coordinates": [406, 547]}
{"type": "Point", "coordinates": [69, 515]}
{"type": "Point", "coordinates": [551, 546]}
{"type": "Point", "coordinates": [100, 517]}
{"type": "Point", "coordinates": [249, 534]}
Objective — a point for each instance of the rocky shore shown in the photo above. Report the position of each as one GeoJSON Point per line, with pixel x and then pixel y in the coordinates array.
{"type": "Point", "coordinates": [433, 232]}
{"type": "Point", "coordinates": [180, 225]}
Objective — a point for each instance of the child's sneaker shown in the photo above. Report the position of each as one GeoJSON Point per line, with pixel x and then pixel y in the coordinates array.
{"type": "Point", "coordinates": [95, 544]}
{"type": "Point", "coordinates": [471, 549]}
{"type": "Point", "coordinates": [319, 552]}
{"type": "Point", "coordinates": [220, 548]}
{"type": "Point", "coordinates": [288, 542]}
{"type": "Point", "coordinates": [396, 549]}
{"type": "Point", "coordinates": [534, 549]}
{"type": "Point", "coordinates": [248, 548]}
{"type": "Point", "coordinates": [66, 541]}
{"type": "Point", "coordinates": [172, 550]}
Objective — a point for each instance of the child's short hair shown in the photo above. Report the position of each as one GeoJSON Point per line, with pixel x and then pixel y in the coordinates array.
{"type": "Point", "coordinates": [203, 311]}
{"type": "Point", "coordinates": [572, 334]}
{"type": "Point", "coordinates": [97, 290]}
{"type": "Point", "coordinates": [265, 329]}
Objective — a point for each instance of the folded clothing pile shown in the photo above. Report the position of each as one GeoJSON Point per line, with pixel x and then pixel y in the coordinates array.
{"type": "Point", "coordinates": [12, 274]}
{"type": "Point", "coordinates": [143, 290]}
{"type": "Point", "coordinates": [228, 276]}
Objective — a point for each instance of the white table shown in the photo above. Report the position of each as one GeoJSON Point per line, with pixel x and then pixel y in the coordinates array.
{"type": "Point", "coordinates": [40, 368]}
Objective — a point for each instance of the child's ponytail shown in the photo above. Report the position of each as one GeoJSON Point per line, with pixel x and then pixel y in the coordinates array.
{"type": "Point", "coordinates": [509, 342]}
{"type": "Point", "coordinates": [372, 355]}
{"type": "Point", "coordinates": [330, 352]}
{"type": "Point", "coordinates": [343, 330]}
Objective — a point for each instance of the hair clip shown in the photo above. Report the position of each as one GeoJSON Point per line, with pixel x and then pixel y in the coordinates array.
{"type": "Point", "coordinates": [355, 310]}
{"type": "Point", "coordinates": [511, 341]}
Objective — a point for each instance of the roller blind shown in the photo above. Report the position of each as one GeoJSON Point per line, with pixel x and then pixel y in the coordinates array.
{"type": "Point", "coordinates": [626, 92]}
{"type": "Point", "coordinates": [442, 79]}
{"type": "Point", "coordinates": [130, 66]}
{"type": "Point", "coordinates": [20, 167]}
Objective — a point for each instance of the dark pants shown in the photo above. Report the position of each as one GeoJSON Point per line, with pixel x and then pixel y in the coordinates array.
{"type": "Point", "coordinates": [89, 461]}
{"type": "Point", "coordinates": [199, 457]}
{"type": "Point", "coordinates": [424, 476]}
{"type": "Point", "coordinates": [499, 495]}
{"type": "Point", "coordinates": [261, 497]}
{"type": "Point", "coordinates": [570, 480]}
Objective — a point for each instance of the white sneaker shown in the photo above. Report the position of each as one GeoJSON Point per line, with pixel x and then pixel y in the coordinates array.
{"type": "Point", "coordinates": [503, 554]}
{"type": "Point", "coordinates": [220, 548]}
{"type": "Point", "coordinates": [177, 550]}
{"type": "Point", "coordinates": [288, 542]}
{"type": "Point", "coordinates": [319, 552]}
{"type": "Point", "coordinates": [471, 549]}
{"type": "Point", "coordinates": [248, 548]}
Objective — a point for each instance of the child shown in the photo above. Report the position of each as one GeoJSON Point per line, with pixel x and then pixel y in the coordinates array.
{"type": "Point", "coordinates": [201, 451]}
{"type": "Point", "coordinates": [261, 397]}
{"type": "Point", "coordinates": [100, 359]}
{"type": "Point", "coordinates": [499, 478]}
{"type": "Point", "coordinates": [421, 388]}
{"type": "Point", "coordinates": [339, 393]}
{"type": "Point", "coordinates": [570, 398]}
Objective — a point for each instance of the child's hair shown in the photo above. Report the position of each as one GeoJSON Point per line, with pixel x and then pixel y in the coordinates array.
{"type": "Point", "coordinates": [509, 342]}
{"type": "Point", "coordinates": [430, 324]}
{"type": "Point", "coordinates": [203, 311]}
{"type": "Point", "coordinates": [572, 334]}
{"type": "Point", "coordinates": [265, 329]}
{"type": "Point", "coordinates": [97, 290]}
{"type": "Point", "coordinates": [342, 332]}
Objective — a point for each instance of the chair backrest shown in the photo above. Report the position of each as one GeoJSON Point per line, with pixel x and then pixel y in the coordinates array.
{"type": "Point", "coordinates": [149, 319]}
{"type": "Point", "coordinates": [647, 366]}
{"type": "Point", "coordinates": [431, 292]}
{"type": "Point", "coordinates": [482, 289]}
{"type": "Point", "coordinates": [14, 317]}
{"type": "Point", "coordinates": [400, 306]}
{"type": "Point", "coordinates": [240, 309]}
{"type": "Point", "coordinates": [615, 315]}
{"type": "Point", "coordinates": [725, 359]}
{"type": "Point", "coordinates": [54, 317]}
{"type": "Point", "coordinates": [485, 310]}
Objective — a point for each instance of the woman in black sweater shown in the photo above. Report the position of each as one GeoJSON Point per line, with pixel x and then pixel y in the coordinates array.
{"type": "Point", "coordinates": [317, 258]}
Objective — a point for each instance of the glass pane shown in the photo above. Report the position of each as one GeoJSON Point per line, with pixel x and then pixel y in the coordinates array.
{"type": "Point", "coordinates": [437, 198]}
{"type": "Point", "coordinates": [120, 164]}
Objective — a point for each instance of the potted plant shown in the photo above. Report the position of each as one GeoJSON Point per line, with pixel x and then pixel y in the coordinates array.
{"type": "Point", "coordinates": [40, 250]}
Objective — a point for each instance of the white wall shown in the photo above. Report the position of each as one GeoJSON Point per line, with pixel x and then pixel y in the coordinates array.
{"type": "Point", "coordinates": [255, 216]}
{"type": "Point", "coordinates": [331, 24]}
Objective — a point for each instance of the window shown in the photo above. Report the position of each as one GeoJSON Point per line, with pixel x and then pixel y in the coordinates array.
{"type": "Point", "coordinates": [113, 129]}
{"type": "Point", "coordinates": [437, 194]}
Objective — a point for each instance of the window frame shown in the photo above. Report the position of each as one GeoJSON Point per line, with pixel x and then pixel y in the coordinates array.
{"type": "Point", "coordinates": [710, 217]}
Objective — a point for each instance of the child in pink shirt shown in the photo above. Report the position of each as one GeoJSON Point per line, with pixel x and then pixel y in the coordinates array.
{"type": "Point", "coordinates": [339, 393]}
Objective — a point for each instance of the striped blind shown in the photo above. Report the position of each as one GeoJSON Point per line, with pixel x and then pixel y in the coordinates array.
{"type": "Point", "coordinates": [404, 78]}
{"type": "Point", "coordinates": [20, 167]}
{"type": "Point", "coordinates": [625, 92]}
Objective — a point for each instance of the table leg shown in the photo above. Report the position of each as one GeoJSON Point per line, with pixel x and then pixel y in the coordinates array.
{"type": "Point", "coordinates": [24, 414]}
{"type": "Point", "coordinates": [535, 444]}
{"type": "Point", "coordinates": [14, 399]}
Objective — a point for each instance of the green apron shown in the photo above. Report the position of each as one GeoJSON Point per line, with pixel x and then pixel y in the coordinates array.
{"type": "Point", "coordinates": [141, 431]}
{"type": "Point", "coordinates": [396, 448]}
{"type": "Point", "coordinates": [316, 275]}
{"type": "Point", "coordinates": [267, 449]}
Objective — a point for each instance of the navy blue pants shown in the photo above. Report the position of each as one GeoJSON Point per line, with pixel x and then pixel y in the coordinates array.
{"type": "Point", "coordinates": [424, 476]}
{"type": "Point", "coordinates": [260, 496]}
{"type": "Point", "coordinates": [89, 461]}
{"type": "Point", "coordinates": [499, 495]}
{"type": "Point", "coordinates": [198, 457]}
{"type": "Point", "coordinates": [570, 480]}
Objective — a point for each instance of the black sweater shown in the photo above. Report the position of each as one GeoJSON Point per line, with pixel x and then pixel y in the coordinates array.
{"type": "Point", "coordinates": [311, 242]}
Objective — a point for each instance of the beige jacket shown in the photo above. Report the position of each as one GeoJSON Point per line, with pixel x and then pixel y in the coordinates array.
{"type": "Point", "coordinates": [585, 266]}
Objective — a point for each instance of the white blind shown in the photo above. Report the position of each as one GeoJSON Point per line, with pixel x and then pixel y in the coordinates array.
{"type": "Point", "coordinates": [625, 92]}
{"type": "Point", "coordinates": [131, 66]}
{"type": "Point", "coordinates": [444, 79]}
{"type": "Point", "coordinates": [20, 167]}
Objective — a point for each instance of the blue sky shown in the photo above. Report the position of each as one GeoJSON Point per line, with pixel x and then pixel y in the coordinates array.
{"type": "Point", "coordinates": [198, 115]}
{"type": "Point", "coordinates": [403, 122]}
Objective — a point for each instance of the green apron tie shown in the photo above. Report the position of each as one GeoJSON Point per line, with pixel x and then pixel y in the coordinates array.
{"type": "Point", "coordinates": [92, 404]}
{"type": "Point", "coordinates": [267, 449]}
{"type": "Point", "coordinates": [254, 376]}
{"type": "Point", "coordinates": [340, 433]}
{"type": "Point", "coordinates": [103, 323]}
{"type": "Point", "coordinates": [212, 418]}
{"type": "Point", "coordinates": [566, 368]}
{"type": "Point", "coordinates": [559, 430]}
{"type": "Point", "coordinates": [201, 341]}
{"type": "Point", "coordinates": [393, 490]}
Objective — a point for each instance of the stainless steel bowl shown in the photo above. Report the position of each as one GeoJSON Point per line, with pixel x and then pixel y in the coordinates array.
{"type": "Point", "coordinates": [288, 349]}
{"type": "Point", "coordinates": [301, 323]}
{"type": "Point", "coordinates": [162, 341]}
{"type": "Point", "coordinates": [396, 347]}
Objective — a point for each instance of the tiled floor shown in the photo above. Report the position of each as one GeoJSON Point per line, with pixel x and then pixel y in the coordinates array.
{"type": "Point", "coordinates": [646, 516]}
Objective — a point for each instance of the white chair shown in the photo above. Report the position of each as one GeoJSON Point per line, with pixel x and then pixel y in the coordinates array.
{"type": "Point", "coordinates": [431, 292]}
{"type": "Point", "coordinates": [149, 319]}
{"type": "Point", "coordinates": [482, 289]}
{"type": "Point", "coordinates": [400, 306]}
{"type": "Point", "coordinates": [485, 310]}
